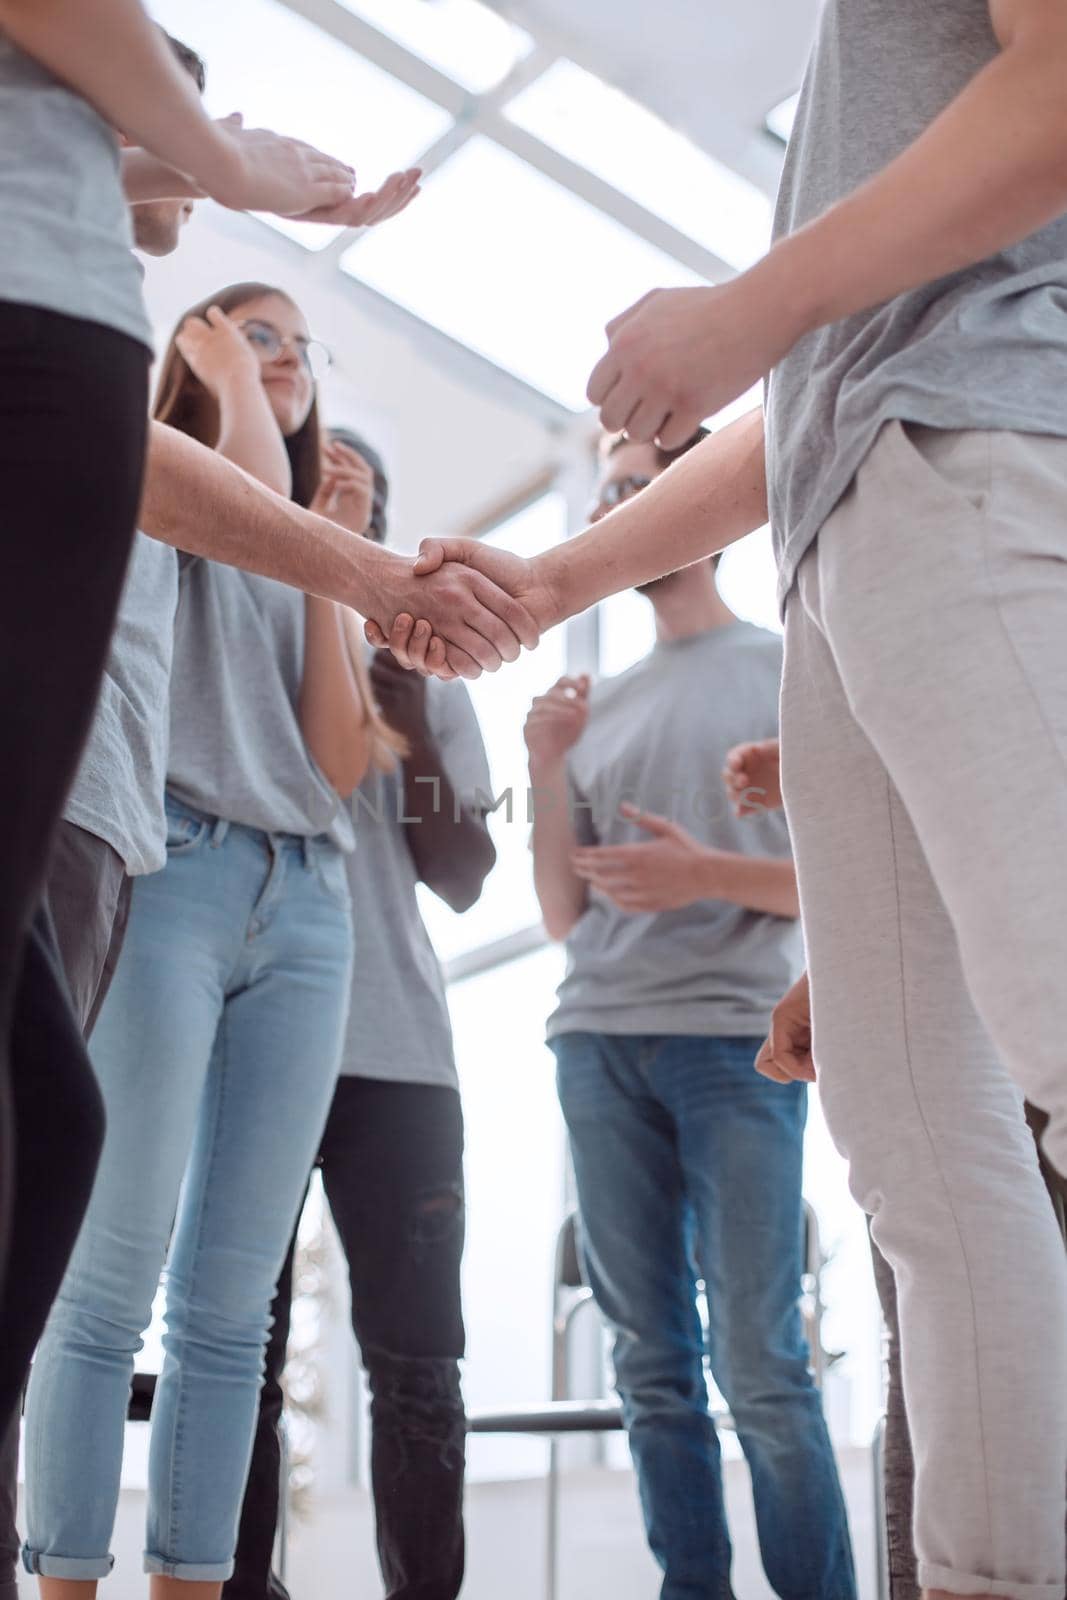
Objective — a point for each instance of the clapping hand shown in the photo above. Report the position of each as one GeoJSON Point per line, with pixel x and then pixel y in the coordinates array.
{"type": "Point", "coordinates": [752, 776]}
{"type": "Point", "coordinates": [346, 487]}
{"type": "Point", "coordinates": [664, 874]}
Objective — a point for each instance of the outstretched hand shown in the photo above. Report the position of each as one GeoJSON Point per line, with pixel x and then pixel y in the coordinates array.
{"type": "Point", "coordinates": [367, 210]}
{"type": "Point", "coordinates": [420, 645]}
{"type": "Point", "coordinates": [472, 623]}
{"type": "Point", "coordinates": [663, 874]}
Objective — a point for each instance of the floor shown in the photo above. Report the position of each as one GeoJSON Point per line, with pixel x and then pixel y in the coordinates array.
{"type": "Point", "coordinates": [602, 1549]}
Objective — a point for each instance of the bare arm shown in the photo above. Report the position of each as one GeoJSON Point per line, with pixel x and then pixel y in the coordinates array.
{"type": "Point", "coordinates": [555, 723]}
{"type": "Point", "coordinates": [713, 496]}
{"type": "Point", "coordinates": [145, 177]}
{"type": "Point", "coordinates": [989, 171]}
{"type": "Point", "coordinates": [333, 716]}
{"type": "Point", "coordinates": [449, 841]}
{"type": "Point", "coordinates": [111, 53]}
{"type": "Point", "coordinates": [198, 502]}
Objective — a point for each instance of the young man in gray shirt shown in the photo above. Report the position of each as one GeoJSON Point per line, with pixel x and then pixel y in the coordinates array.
{"type": "Point", "coordinates": [913, 459]}
{"type": "Point", "coordinates": [681, 931]}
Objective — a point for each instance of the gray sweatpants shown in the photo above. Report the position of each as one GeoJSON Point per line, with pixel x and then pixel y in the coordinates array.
{"type": "Point", "coordinates": [924, 759]}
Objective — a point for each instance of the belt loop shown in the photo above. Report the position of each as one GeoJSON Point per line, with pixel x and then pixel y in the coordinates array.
{"type": "Point", "coordinates": [219, 832]}
{"type": "Point", "coordinates": [308, 849]}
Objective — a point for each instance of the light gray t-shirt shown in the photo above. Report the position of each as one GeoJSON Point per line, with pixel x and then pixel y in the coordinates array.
{"type": "Point", "coordinates": [118, 793]}
{"type": "Point", "coordinates": [398, 1024]}
{"type": "Point", "coordinates": [236, 749]}
{"type": "Point", "coordinates": [658, 736]}
{"type": "Point", "coordinates": [983, 348]}
{"type": "Point", "coordinates": [66, 227]}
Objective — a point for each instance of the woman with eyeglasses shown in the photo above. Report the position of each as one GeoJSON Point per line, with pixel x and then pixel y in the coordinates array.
{"type": "Point", "coordinates": [219, 1044]}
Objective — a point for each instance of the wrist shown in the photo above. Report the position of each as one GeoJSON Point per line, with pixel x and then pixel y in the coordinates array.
{"type": "Point", "coordinates": [545, 771]}
{"type": "Point", "coordinates": [221, 168]}
{"type": "Point", "coordinates": [790, 284]}
{"type": "Point", "coordinates": [554, 576]}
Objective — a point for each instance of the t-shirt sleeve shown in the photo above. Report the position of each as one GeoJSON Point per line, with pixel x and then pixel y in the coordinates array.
{"type": "Point", "coordinates": [454, 725]}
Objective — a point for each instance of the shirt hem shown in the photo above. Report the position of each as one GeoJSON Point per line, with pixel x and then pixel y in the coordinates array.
{"type": "Point", "coordinates": [138, 864]}
{"type": "Point", "coordinates": [669, 1025]}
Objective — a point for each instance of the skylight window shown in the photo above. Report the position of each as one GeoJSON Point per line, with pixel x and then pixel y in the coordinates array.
{"type": "Point", "coordinates": [780, 120]}
{"type": "Point", "coordinates": [471, 44]}
{"type": "Point", "coordinates": [283, 72]}
{"type": "Point", "coordinates": [515, 266]}
{"type": "Point", "coordinates": [629, 147]}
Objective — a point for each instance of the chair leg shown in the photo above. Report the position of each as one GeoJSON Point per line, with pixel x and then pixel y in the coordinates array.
{"type": "Point", "coordinates": [552, 1525]}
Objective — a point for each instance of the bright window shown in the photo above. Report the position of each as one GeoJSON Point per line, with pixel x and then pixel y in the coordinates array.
{"type": "Point", "coordinates": [629, 147]}
{"type": "Point", "coordinates": [510, 263]}
{"type": "Point", "coordinates": [282, 72]}
{"type": "Point", "coordinates": [780, 121]}
{"type": "Point", "coordinates": [467, 41]}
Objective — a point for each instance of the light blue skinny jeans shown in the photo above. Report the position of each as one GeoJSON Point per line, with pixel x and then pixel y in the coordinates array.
{"type": "Point", "coordinates": [217, 1051]}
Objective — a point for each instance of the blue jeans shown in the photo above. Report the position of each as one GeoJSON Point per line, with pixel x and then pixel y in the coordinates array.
{"type": "Point", "coordinates": [688, 1163]}
{"type": "Point", "coordinates": [217, 1051]}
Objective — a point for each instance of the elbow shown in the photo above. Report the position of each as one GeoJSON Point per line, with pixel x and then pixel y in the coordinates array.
{"type": "Point", "coordinates": [461, 889]}
{"type": "Point", "coordinates": [345, 774]}
{"type": "Point", "coordinates": [559, 921]}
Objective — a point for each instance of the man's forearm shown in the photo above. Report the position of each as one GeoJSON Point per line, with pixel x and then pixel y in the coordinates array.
{"type": "Point", "coordinates": [713, 496]}
{"type": "Point", "coordinates": [112, 54]}
{"type": "Point", "coordinates": [561, 894]}
{"type": "Point", "coordinates": [199, 503]}
{"type": "Point", "coordinates": [990, 170]}
{"type": "Point", "coordinates": [759, 883]}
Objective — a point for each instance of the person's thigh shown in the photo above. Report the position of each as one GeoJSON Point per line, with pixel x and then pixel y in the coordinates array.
{"type": "Point", "coordinates": [85, 890]}
{"type": "Point", "coordinates": [392, 1167]}
{"type": "Point", "coordinates": [917, 1098]}
{"type": "Point", "coordinates": [741, 1145]}
{"type": "Point", "coordinates": [944, 594]}
{"type": "Point", "coordinates": [635, 1230]}
{"type": "Point", "coordinates": [73, 418]}
{"type": "Point", "coordinates": [257, 1133]}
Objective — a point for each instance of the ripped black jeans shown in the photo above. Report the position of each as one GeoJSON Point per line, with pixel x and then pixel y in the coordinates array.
{"type": "Point", "coordinates": [392, 1169]}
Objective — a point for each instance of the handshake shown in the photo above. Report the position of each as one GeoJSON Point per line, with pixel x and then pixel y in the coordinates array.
{"type": "Point", "coordinates": [462, 608]}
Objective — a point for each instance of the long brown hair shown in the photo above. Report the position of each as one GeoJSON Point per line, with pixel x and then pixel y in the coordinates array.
{"type": "Point", "coordinates": [183, 403]}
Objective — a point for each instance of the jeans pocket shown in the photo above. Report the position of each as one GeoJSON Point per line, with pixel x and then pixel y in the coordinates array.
{"type": "Point", "coordinates": [185, 833]}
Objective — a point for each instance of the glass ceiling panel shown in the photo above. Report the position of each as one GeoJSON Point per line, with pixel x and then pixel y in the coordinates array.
{"type": "Point", "coordinates": [629, 147]}
{"type": "Point", "coordinates": [515, 266]}
{"type": "Point", "coordinates": [467, 41]}
{"type": "Point", "coordinates": [283, 72]}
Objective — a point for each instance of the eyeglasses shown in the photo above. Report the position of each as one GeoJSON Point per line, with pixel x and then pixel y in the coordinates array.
{"type": "Point", "coordinates": [619, 489]}
{"type": "Point", "coordinates": [269, 344]}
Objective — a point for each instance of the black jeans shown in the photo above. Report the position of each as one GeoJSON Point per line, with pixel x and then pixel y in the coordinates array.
{"type": "Point", "coordinates": [73, 415]}
{"type": "Point", "coordinates": [392, 1169]}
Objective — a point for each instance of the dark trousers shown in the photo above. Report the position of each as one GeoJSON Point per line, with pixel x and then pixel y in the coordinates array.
{"type": "Point", "coordinates": [899, 1462]}
{"type": "Point", "coordinates": [73, 408]}
{"type": "Point", "coordinates": [392, 1169]}
{"type": "Point", "coordinates": [75, 941]}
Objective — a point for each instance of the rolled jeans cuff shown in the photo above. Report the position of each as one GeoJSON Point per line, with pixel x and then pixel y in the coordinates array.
{"type": "Point", "coordinates": [188, 1571]}
{"type": "Point", "coordinates": [965, 1583]}
{"type": "Point", "coordinates": [79, 1568]}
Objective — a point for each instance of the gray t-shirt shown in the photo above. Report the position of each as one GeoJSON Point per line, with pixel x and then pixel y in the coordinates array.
{"type": "Point", "coordinates": [67, 237]}
{"type": "Point", "coordinates": [118, 793]}
{"type": "Point", "coordinates": [398, 1025]}
{"type": "Point", "coordinates": [236, 749]}
{"type": "Point", "coordinates": [658, 736]}
{"type": "Point", "coordinates": [983, 348]}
